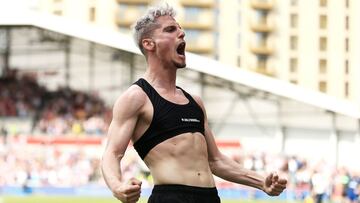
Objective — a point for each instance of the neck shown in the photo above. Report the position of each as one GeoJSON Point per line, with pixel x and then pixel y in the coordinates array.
{"type": "Point", "coordinates": [161, 75]}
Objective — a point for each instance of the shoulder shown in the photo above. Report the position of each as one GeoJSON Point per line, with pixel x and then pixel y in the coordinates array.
{"type": "Point", "coordinates": [130, 101]}
{"type": "Point", "coordinates": [198, 100]}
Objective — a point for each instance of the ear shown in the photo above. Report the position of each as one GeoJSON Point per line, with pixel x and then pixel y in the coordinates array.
{"type": "Point", "coordinates": [148, 44]}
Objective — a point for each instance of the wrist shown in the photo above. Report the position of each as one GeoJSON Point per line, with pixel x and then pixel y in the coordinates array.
{"type": "Point", "coordinates": [115, 185]}
{"type": "Point", "coordinates": [263, 184]}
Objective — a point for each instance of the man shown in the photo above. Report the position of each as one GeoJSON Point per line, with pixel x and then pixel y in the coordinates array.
{"type": "Point", "coordinates": [169, 127]}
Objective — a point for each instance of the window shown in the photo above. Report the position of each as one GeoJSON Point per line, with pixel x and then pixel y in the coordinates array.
{"type": "Point", "coordinates": [239, 41]}
{"type": "Point", "coordinates": [192, 14]}
{"type": "Point", "coordinates": [323, 21]}
{"type": "Point", "coordinates": [293, 65]}
{"type": "Point", "coordinates": [346, 89]}
{"type": "Point", "coordinates": [322, 86]}
{"type": "Point", "coordinates": [92, 14]}
{"type": "Point", "coordinates": [260, 39]}
{"type": "Point", "coordinates": [322, 66]}
{"type": "Point", "coordinates": [262, 64]}
{"type": "Point", "coordinates": [293, 42]}
{"type": "Point", "coordinates": [58, 12]}
{"type": "Point", "coordinates": [293, 81]}
{"type": "Point", "coordinates": [124, 30]}
{"type": "Point", "coordinates": [261, 17]}
{"type": "Point", "coordinates": [347, 23]}
{"type": "Point", "coordinates": [239, 61]}
{"type": "Point", "coordinates": [294, 2]}
{"type": "Point", "coordinates": [3, 40]}
{"type": "Point", "coordinates": [122, 11]}
{"type": "Point", "coordinates": [192, 36]}
{"type": "Point", "coordinates": [346, 67]}
{"type": "Point", "coordinates": [323, 3]}
{"type": "Point", "coordinates": [323, 44]}
{"type": "Point", "coordinates": [347, 3]}
{"type": "Point", "coordinates": [293, 20]}
{"type": "Point", "coordinates": [347, 44]}
{"type": "Point", "coordinates": [142, 8]}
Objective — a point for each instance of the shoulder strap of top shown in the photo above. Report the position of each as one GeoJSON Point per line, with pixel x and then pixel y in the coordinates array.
{"type": "Point", "coordinates": [148, 89]}
{"type": "Point", "coordinates": [187, 95]}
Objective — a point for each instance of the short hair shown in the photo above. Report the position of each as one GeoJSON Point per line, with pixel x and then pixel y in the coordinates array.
{"type": "Point", "coordinates": [144, 27]}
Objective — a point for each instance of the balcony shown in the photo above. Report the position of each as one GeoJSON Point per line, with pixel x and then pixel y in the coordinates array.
{"type": "Point", "coordinates": [264, 71]}
{"type": "Point", "coordinates": [262, 27]}
{"type": "Point", "coordinates": [125, 22]}
{"type": "Point", "coordinates": [265, 5]}
{"type": "Point", "coordinates": [198, 3]}
{"type": "Point", "coordinates": [261, 50]}
{"type": "Point", "coordinates": [199, 49]}
{"type": "Point", "coordinates": [196, 26]}
{"type": "Point", "coordinates": [134, 1]}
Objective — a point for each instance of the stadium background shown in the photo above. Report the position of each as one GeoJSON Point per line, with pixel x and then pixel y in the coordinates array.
{"type": "Point", "coordinates": [59, 78]}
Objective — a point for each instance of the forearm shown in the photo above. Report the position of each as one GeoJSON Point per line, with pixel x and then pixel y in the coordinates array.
{"type": "Point", "coordinates": [111, 170]}
{"type": "Point", "coordinates": [229, 170]}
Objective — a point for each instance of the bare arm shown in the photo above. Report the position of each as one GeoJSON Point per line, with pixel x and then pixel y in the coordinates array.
{"type": "Point", "coordinates": [125, 115]}
{"type": "Point", "coordinates": [226, 168]}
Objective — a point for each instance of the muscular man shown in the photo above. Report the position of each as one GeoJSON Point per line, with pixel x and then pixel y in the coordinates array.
{"type": "Point", "coordinates": [169, 127]}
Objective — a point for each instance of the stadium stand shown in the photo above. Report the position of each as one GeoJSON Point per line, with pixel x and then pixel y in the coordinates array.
{"type": "Point", "coordinates": [42, 150]}
{"type": "Point", "coordinates": [59, 112]}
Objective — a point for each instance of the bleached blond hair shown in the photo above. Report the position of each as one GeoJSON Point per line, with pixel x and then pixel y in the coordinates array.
{"type": "Point", "coordinates": [144, 27]}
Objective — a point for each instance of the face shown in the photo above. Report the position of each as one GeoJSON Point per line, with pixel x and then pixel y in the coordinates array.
{"type": "Point", "coordinates": [169, 42]}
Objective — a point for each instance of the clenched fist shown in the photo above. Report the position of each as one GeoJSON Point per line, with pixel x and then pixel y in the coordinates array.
{"type": "Point", "coordinates": [128, 192]}
{"type": "Point", "coordinates": [274, 185]}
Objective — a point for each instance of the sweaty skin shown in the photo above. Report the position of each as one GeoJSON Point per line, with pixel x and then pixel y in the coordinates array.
{"type": "Point", "coordinates": [189, 158]}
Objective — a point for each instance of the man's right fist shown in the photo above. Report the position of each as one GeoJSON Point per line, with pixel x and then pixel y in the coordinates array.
{"type": "Point", "coordinates": [128, 192]}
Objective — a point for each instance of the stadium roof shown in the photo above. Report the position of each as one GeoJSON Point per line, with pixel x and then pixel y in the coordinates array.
{"type": "Point", "coordinates": [195, 62]}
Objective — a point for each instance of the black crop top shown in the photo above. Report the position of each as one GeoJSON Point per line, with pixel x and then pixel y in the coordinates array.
{"type": "Point", "coordinates": [169, 119]}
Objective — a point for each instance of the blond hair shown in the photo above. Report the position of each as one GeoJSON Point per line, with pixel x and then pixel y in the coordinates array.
{"type": "Point", "coordinates": [144, 27]}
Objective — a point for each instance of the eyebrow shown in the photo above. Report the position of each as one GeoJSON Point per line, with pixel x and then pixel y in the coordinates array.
{"type": "Point", "coordinates": [173, 25]}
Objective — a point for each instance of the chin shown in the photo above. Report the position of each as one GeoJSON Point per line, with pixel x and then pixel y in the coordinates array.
{"type": "Point", "coordinates": [180, 65]}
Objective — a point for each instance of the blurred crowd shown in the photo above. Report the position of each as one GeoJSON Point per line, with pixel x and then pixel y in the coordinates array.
{"type": "Point", "coordinates": [47, 165]}
{"type": "Point", "coordinates": [64, 111]}
{"type": "Point", "coordinates": [20, 96]}
{"type": "Point", "coordinates": [41, 165]}
{"type": "Point", "coordinates": [310, 180]}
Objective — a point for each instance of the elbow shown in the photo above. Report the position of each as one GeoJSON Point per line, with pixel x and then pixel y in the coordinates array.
{"type": "Point", "coordinates": [215, 167]}
{"type": "Point", "coordinates": [215, 164]}
{"type": "Point", "coordinates": [212, 166]}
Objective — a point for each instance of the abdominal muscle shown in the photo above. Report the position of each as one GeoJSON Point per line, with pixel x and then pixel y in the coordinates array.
{"type": "Point", "coordinates": [182, 159]}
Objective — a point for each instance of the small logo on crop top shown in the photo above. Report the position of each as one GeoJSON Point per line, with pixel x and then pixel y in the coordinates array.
{"type": "Point", "coordinates": [190, 120]}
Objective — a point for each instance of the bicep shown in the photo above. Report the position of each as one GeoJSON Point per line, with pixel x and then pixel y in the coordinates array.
{"type": "Point", "coordinates": [125, 116]}
{"type": "Point", "coordinates": [119, 135]}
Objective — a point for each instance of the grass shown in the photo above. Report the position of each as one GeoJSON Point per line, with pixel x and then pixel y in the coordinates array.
{"type": "Point", "coordinates": [62, 199]}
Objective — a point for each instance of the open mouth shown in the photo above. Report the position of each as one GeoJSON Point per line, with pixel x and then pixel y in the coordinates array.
{"type": "Point", "coordinates": [181, 49]}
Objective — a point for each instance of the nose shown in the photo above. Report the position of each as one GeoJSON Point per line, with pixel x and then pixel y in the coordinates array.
{"type": "Point", "coordinates": [182, 34]}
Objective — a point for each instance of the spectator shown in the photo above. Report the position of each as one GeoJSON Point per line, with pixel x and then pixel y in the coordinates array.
{"type": "Point", "coordinates": [56, 113]}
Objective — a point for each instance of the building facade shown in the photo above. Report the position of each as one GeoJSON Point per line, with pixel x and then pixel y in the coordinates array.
{"type": "Point", "coordinates": [196, 17]}
{"type": "Point", "coordinates": [313, 44]}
